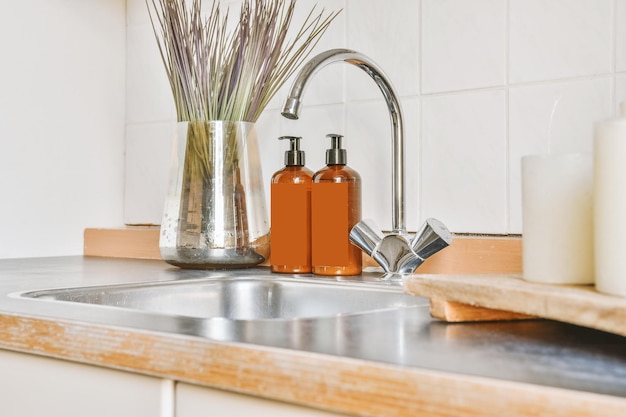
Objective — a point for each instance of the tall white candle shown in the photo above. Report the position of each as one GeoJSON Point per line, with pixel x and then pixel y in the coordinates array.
{"type": "Point", "coordinates": [557, 216]}
{"type": "Point", "coordinates": [610, 206]}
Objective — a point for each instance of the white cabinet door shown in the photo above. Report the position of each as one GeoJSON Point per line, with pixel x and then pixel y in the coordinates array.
{"type": "Point", "coordinates": [195, 401]}
{"type": "Point", "coordinates": [32, 386]}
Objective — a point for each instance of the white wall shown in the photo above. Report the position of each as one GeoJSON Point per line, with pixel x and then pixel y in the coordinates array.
{"type": "Point", "coordinates": [482, 83]}
{"type": "Point", "coordinates": [62, 120]}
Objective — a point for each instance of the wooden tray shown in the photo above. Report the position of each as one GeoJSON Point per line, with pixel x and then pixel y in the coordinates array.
{"type": "Point", "coordinates": [577, 304]}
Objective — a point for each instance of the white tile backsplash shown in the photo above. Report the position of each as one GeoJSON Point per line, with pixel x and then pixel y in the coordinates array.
{"type": "Point", "coordinates": [559, 39]}
{"type": "Point", "coordinates": [463, 44]}
{"type": "Point", "coordinates": [398, 25]}
{"type": "Point", "coordinates": [620, 35]}
{"type": "Point", "coordinates": [463, 160]}
{"type": "Point", "coordinates": [478, 82]}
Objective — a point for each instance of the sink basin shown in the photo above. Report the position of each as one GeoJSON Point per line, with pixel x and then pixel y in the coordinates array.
{"type": "Point", "coordinates": [239, 297]}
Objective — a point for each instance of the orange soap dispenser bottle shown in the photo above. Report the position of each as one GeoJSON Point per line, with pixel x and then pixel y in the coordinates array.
{"type": "Point", "coordinates": [335, 209]}
{"type": "Point", "coordinates": [290, 195]}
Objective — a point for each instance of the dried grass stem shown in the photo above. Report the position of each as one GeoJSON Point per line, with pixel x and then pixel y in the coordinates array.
{"type": "Point", "coordinates": [217, 74]}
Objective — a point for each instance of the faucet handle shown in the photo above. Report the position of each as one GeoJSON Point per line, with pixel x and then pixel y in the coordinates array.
{"type": "Point", "coordinates": [431, 238]}
{"type": "Point", "coordinates": [366, 235]}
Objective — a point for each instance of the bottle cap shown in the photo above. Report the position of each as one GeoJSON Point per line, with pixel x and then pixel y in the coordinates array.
{"type": "Point", "coordinates": [294, 156]}
{"type": "Point", "coordinates": [335, 155]}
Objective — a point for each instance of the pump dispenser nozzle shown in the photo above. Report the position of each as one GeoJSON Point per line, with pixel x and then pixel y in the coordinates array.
{"type": "Point", "coordinates": [294, 156]}
{"type": "Point", "coordinates": [336, 155]}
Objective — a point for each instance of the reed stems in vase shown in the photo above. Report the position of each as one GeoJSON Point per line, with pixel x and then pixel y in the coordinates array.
{"type": "Point", "coordinates": [217, 74]}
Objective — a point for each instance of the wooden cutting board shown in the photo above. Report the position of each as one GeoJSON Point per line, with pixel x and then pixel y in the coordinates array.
{"type": "Point", "coordinates": [577, 304]}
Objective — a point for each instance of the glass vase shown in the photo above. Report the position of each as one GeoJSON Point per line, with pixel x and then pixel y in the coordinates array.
{"type": "Point", "coordinates": [215, 215]}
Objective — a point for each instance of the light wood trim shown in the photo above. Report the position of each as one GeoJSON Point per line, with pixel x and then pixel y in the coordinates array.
{"type": "Point", "coordinates": [466, 255]}
{"type": "Point", "coordinates": [457, 312]}
{"type": "Point", "coordinates": [477, 255]}
{"type": "Point", "coordinates": [130, 242]}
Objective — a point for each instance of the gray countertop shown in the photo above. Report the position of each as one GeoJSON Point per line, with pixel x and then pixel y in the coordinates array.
{"type": "Point", "coordinates": [538, 352]}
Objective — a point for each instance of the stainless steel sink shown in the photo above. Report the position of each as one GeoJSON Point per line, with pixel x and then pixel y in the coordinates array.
{"type": "Point", "coordinates": [240, 297]}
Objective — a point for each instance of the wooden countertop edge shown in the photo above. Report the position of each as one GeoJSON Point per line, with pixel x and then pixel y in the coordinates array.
{"type": "Point", "coordinates": [466, 255]}
{"type": "Point", "coordinates": [332, 383]}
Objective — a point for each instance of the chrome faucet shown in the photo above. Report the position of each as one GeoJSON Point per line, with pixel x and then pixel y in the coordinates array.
{"type": "Point", "coordinates": [396, 252]}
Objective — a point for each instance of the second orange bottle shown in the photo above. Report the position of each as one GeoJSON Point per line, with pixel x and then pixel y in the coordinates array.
{"type": "Point", "coordinates": [335, 209]}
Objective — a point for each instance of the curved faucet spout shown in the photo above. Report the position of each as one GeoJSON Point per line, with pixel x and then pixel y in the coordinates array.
{"type": "Point", "coordinates": [292, 108]}
{"type": "Point", "coordinates": [396, 252]}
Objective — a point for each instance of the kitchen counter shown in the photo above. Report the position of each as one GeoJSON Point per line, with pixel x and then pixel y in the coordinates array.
{"type": "Point", "coordinates": [398, 362]}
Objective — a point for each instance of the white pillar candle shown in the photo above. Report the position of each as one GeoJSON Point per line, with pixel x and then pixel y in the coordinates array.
{"type": "Point", "coordinates": [557, 216]}
{"type": "Point", "coordinates": [610, 206]}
